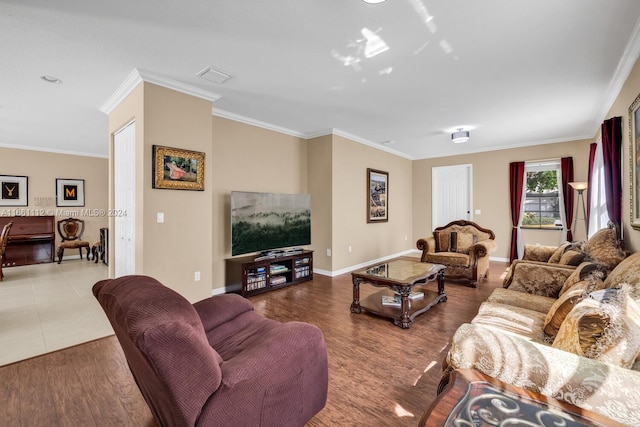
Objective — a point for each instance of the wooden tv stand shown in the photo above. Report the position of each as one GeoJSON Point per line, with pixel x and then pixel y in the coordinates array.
{"type": "Point", "coordinates": [255, 277]}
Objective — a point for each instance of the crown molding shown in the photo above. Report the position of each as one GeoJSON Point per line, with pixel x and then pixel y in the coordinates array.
{"type": "Point", "coordinates": [53, 150]}
{"type": "Point", "coordinates": [138, 76]}
{"type": "Point", "coordinates": [372, 144]}
{"type": "Point", "coordinates": [253, 122]}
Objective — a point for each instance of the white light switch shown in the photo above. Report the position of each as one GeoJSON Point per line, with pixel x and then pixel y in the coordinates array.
{"type": "Point", "coordinates": [328, 252]}
{"type": "Point", "coordinates": [478, 212]}
{"type": "Point", "coordinates": [160, 217]}
{"type": "Point", "coordinates": [196, 276]}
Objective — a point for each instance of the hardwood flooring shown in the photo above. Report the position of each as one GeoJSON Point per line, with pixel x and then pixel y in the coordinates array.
{"type": "Point", "coordinates": [379, 374]}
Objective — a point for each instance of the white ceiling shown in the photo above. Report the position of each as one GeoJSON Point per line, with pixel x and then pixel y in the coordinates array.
{"type": "Point", "coordinates": [514, 72]}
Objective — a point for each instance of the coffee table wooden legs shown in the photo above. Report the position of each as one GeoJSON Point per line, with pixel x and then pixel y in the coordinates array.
{"type": "Point", "coordinates": [355, 305]}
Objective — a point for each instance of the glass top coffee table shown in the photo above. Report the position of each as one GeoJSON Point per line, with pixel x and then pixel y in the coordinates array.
{"type": "Point", "coordinates": [399, 277]}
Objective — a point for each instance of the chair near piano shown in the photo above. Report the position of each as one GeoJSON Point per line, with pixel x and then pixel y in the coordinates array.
{"type": "Point", "coordinates": [4, 238]}
{"type": "Point", "coordinates": [70, 231]}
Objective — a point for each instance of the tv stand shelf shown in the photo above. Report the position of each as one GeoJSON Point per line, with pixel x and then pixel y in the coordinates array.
{"type": "Point", "coordinates": [255, 277]}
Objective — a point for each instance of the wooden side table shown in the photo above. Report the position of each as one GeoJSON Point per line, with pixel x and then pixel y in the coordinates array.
{"type": "Point", "coordinates": [475, 399]}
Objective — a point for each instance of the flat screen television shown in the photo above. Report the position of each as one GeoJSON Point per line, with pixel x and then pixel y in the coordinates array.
{"type": "Point", "coordinates": [266, 221]}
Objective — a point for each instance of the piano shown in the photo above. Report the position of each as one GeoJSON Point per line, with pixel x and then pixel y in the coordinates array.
{"type": "Point", "coordinates": [31, 240]}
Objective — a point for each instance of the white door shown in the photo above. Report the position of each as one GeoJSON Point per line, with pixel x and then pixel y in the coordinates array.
{"type": "Point", "coordinates": [124, 200]}
{"type": "Point", "coordinates": [451, 194]}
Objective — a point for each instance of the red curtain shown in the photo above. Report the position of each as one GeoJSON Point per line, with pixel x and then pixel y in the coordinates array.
{"type": "Point", "coordinates": [592, 158]}
{"type": "Point", "coordinates": [516, 179]}
{"type": "Point", "coordinates": [566, 164]}
{"type": "Point", "coordinates": [611, 150]}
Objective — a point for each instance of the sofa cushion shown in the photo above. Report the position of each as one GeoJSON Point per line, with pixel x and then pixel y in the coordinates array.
{"type": "Point", "coordinates": [450, 259]}
{"type": "Point", "coordinates": [603, 247]}
{"type": "Point", "coordinates": [442, 239]}
{"type": "Point", "coordinates": [462, 242]}
{"type": "Point", "coordinates": [583, 272]}
{"type": "Point", "coordinates": [604, 327]}
{"type": "Point", "coordinates": [628, 271]}
{"type": "Point", "coordinates": [571, 257]}
{"type": "Point", "coordinates": [523, 322]}
{"type": "Point", "coordinates": [521, 299]}
{"type": "Point", "coordinates": [563, 305]}
{"type": "Point", "coordinates": [557, 254]}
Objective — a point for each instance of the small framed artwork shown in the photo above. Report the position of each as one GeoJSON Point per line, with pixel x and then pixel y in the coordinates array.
{"type": "Point", "coordinates": [377, 195]}
{"type": "Point", "coordinates": [177, 169]}
{"type": "Point", "coordinates": [69, 192]}
{"type": "Point", "coordinates": [14, 190]}
{"type": "Point", "coordinates": [634, 161]}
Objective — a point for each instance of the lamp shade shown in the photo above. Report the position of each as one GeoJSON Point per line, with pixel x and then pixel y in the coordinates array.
{"type": "Point", "coordinates": [460, 136]}
{"type": "Point", "coordinates": [579, 185]}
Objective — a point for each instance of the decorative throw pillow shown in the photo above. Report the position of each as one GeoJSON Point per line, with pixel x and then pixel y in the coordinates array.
{"type": "Point", "coordinates": [603, 247]}
{"type": "Point", "coordinates": [583, 272]}
{"type": "Point", "coordinates": [557, 254]}
{"type": "Point", "coordinates": [571, 257]}
{"type": "Point", "coordinates": [442, 239]}
{"type": "Point", "coordinates": [604, 327]}
{"type": "Point", "coordinates": [462, 242]}
{"type": "Point", "coordinates": [563, 305]}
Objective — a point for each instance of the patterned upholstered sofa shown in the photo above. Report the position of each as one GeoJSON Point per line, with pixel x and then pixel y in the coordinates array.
{"type": "Point", "coordinates": [581, 347]}
{"type": "Point", "coordinates": [463, 247]}
{"type": "Point", "coordinates": [543, 269]}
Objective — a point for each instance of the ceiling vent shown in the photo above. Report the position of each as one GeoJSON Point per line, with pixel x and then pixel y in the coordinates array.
{"type": "Point", "coordinates": [214, 75]}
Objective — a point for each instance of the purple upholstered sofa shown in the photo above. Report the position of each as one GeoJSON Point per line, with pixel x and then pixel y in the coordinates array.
{"type": "Point", "coordinates": [216, 362]}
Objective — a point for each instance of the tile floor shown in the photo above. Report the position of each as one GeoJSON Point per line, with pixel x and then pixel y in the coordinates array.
{"type": "Point", "coordinates": [47, 307]}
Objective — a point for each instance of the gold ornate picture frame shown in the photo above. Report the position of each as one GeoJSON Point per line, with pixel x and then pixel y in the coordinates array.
{"type": "Point", "coordinates": [178, 169]}
{"type": "Point", "coordinates": [377, 196]}
{"type": "Point", "coordinates": [634, 162]}
{"type": "Point", "coordinates": [14, 190]}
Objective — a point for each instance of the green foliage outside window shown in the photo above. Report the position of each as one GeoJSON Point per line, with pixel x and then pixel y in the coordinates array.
{"type": "Point", "coordinates": [542, 206]}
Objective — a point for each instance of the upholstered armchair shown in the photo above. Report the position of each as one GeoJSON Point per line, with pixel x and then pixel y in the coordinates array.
{"type": "Point", "coordinates": [543, 269]}
{"type": "Point", "coordinates": [463, 247]}
{"type": "Point", "coordinates": [216, 362]}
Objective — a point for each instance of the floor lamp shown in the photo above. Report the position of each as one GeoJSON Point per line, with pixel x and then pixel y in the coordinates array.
{"type": "Point", "coordinates": [580, 187]}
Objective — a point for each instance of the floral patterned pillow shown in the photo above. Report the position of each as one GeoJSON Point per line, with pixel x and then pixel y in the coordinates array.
{"type": "Point", "coordinates": [563, 305]}
{"type": "Point", "coordinates": [603, 327]}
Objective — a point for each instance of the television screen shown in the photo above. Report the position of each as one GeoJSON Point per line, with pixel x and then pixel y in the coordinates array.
{"type": "Point", "coordinates": [263, 221]}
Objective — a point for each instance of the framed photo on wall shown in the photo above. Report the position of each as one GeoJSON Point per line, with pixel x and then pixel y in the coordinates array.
{"type": "Point", "coordinates": [634, 161]}
{"type": "Point", "coordinates": [14, 190]}
{"type": "Point", "coordinates": [69, 192]}
{"type": "Point", "coordinates": [177, 169]}
{"type": "Point", "coordinates": [377, 195]}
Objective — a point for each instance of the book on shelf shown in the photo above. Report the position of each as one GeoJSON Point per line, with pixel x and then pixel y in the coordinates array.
{"type": "Point", "coordinates": [415, 295]}
{"type": "Point", "coordinates": [277, 268]}
{"type": "Point", "coordinates": [278, 280]}
{"type": "Point", "coordinates": [391, 300]}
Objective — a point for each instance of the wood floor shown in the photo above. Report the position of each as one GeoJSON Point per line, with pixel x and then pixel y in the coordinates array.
{"type": "Point", "coordinates": [379, 374]}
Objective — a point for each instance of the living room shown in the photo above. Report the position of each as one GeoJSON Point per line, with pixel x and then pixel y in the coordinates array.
{"type": "Point", "coordinates": [331, 167]}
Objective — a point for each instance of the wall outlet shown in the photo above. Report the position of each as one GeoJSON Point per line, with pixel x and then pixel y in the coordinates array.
{"type": "Point", "coordinates": [406, 238]}
{"type": "Point", "coordinates": [328, 252]}
{"type": "Point", "coordinates": [349, 248]}
{"type": "Point", "coordinates": [478, 212]}
{"type": "Point", "coordinates": [196, 276]}
{"type": "Point", "coordinates": [160, 217]}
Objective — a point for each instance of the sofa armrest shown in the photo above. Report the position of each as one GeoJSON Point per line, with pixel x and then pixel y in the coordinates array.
{"type": "Point", "coordinates": [538, 278]}
{"type": "Point", "coordinates": [483, 248]}
{"type": "Point", "coordinates": [540, 253]}
{"type": "Point", "coordinates": [580, 381]}
{"type": "Point", "coordinates": [219, 309]}
{"type": "Point", "coordinates": [427, 244]}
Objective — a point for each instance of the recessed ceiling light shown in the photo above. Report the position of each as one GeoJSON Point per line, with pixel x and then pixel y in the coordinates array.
{"type": "Point", "coordinates": [51, 79]}
{"type": "Point", "coordinates": [373, 1]}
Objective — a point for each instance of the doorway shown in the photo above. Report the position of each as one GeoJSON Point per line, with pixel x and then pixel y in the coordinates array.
{"type": "Point", "coordinates": [124, 167]}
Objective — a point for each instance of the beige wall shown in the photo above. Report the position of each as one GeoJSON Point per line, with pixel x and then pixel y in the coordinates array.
{"type": "Point", "coordinates": [628, 94]}
{"type": "Point", "coordinates": [320, 176]}
{"type": "Point", "coordinates": [368, 241]}
{"type": "Point", "coordinates": [491, 189]}
{"type": "Point", "coordinates": [174, 250]}
{"type": "Point", "coordinates": [42, 169]}
{"type": "Point", "coordinates": [249, 158]}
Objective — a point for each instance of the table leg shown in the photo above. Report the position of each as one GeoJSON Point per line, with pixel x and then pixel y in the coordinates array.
{"type": "Point", "coordinates": [355, 305]}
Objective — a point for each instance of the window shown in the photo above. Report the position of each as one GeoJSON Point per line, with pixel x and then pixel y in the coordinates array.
{"type": "Point", "coordinates": [598, 214]}
{"type": "Point", "coordinates": [542, 204]}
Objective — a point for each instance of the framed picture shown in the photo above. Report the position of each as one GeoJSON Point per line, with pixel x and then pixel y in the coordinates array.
{"type": "Point", "coordinates": [69, 192]}
{"type": "Point", "coordinates": [377, 196]}
{"type": "Point", "coordinates": [634, 162]}
{"type": "Point", "coordinates": [14, 190]}
{"type": "Point", "coordinates": [177, 169]}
